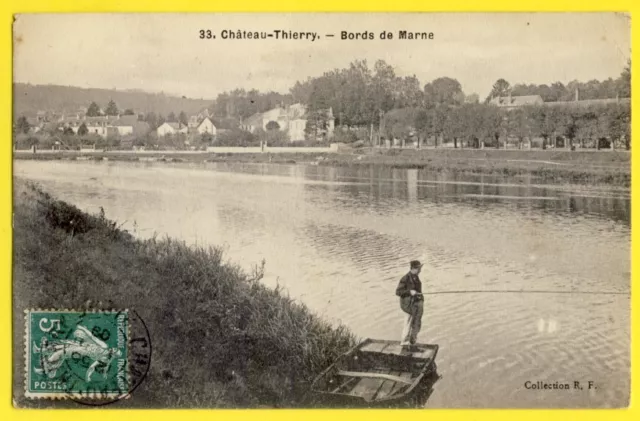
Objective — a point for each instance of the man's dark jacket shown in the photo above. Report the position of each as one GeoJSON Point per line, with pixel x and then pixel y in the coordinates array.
{"type": "Point", "coordinates": [407, 283]}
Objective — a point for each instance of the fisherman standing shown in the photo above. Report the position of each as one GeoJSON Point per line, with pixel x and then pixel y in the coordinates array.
{"type": "Point", "coordinates": [411, 302]}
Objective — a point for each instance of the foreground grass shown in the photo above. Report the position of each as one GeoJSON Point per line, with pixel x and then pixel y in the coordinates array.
{"type": "Point", "coordinates": [221, 338]}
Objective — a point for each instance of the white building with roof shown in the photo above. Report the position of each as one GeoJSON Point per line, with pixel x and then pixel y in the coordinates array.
{"type": "Point", "coordinates": [292, 119]}
{"type": "Point", "coordinates": [171, 128]}
{"type": "Point", "coordinates": [102, 125]}
{"type": "Point", "coordinates": [516, 101]}
{"type": "Point", "coordinates": [206, 126]}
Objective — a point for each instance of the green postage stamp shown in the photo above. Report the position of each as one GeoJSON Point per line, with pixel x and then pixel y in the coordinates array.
{"type": "Point", "coordinates": [76, 354]}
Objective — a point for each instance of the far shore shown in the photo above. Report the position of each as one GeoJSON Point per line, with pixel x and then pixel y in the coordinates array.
{"type": "Point", "coordinates": [588, 167]}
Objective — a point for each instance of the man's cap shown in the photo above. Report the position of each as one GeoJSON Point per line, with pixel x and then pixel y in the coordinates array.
{"type": "Point", "coordinates": [415, 264]}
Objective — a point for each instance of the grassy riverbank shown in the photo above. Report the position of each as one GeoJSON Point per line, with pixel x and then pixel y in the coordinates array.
{"type": "Point", "coordinates": [585, 167]}
{"type": "Point", "coordinates": [220, 338]}
{"type": "Point", "coordinates": [555, 166]}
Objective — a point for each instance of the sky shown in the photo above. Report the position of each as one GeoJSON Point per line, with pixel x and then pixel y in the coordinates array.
{"type": "Point", "coordinates": [163, 52]}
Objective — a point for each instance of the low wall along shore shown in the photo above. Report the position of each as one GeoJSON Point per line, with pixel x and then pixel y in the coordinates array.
{"type": "Point", "coordinates": [231, 149]}
{"type": "Point", "coordinates": [215, 149]}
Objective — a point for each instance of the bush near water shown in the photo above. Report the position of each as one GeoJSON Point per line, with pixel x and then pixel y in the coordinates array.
{"type": "Point", "coordinates": [220, 337]}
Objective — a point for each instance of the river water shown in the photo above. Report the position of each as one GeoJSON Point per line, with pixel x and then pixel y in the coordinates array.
{"type": "Point", "coordinates": [339, 239]}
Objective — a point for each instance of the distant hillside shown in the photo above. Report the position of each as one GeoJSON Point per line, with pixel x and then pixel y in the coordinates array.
{"type": "Point", "coordinates": [28, 99]}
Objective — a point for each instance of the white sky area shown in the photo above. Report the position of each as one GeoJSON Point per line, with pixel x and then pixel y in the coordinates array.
{"type": "Point", "coordinates": [163, 52]}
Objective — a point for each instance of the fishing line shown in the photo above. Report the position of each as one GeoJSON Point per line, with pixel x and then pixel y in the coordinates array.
{"type": "Point", "coordinates": [518, 291]}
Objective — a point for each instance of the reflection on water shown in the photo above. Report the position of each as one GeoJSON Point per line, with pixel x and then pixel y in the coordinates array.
{"type": "Point", "coordinates": [340, 238]}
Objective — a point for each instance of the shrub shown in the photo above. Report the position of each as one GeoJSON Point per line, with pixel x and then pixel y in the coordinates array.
{"type": "Point", "coordinates": [237, 137]}
{"type": "Point", "coordinates": [273, 137]}
{"type": "Point", "coordinates": [341, 136]}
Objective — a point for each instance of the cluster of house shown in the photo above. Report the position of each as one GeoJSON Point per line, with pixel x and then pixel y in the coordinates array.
{"type": "Point", "coordinates": [199, 124]}
{"type": "Point", "coordinates": [291, 119]}
{"type": "Point", "coordinates": [103, 125]}
{"type": "Point", "coordinates": [106, 125]}
{"type": "Point", "coordinates": [122, 125]}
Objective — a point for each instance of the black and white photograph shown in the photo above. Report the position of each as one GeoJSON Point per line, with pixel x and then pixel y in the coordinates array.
{"type": "Point", "coordinates": [321, 210]}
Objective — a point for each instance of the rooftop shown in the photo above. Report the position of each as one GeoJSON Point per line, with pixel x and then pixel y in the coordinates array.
{"type": "Point", "coordinates": [516, 101]}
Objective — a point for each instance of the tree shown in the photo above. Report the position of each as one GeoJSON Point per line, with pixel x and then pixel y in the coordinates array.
{"type": "Point", "coordinates": [83, 130]}
{"type": "Point", "coordinates": [400, 123]}
{"type": "Point", "coordinates": [592, 89]}
{"type": "Point", "coordinates": [624, 81]}
{"type": "Point", "coordinates": [407, 93]}
{"type": "Point", "coordinates": [569, 121]}
{"type": "Point", "coordinates": [471, 117]}
{"type": "Point", "coordinates": [112, 108]}
{"type": "Point", "coordinates": [22, 125]}
{"type": "Point", "coordinates": [492, 124]}
{"type": "Point", "coordinates": [206, 139]}
{"type": "Point", "coordinates": [237, 137]}
{"type": "Point", "coordinates": [619, 123]}
{"type": "Point", "coordinates": [454, 125]}
{"type": "Point", "coordinates": [93, 110]}
{"type": "Point", "coordinates": [443, 91]}
{"type": "Point", "coordinates": [273, 125]}
{"type": "Point", "coordinates": [316, 123]}
{"type": "Point", "coordinates": [545, 122]}
{"type": "Point", "coordinates": [172, 117]}
{"type": "Point", "coordinates": [272, 137]}
{"type": "Point", "coordinates": [587, 127]}
{"type": "Point", "coordinates": [240, 104]}
{"type": "Point", "coordinates": [520, 89]}
{"type": "Point", "coordinates": [182, 118]}
{"type": "Point", "coordinates": [519, 124]}
{"type": "Point", "coordinates": [301, 91]}
{"type": "Point", "coordinates": [500, 88]}
{"type": "Point", "coordinates": [353, 93]}
{"type": "Point", "coordinates": [382, 92]}
{"type": "Point", "coordinates": [472, 99]}
{"type": "Point", "coordinates": [129, 111]}
{"type": "Point", "coordinates": [152, 119]}
{"type": "Point", "coordinates": [556, 91]}
{"type": "Point", "coordinates": [68, 131]}
{"type": "Point", "coordinates": [437, 122]}
{"type": "Point", "coordinates": [421, 123]}
{"type": "Point", "coordinates": [603, 127]}
{"type": "Point", "coordinates": [113, 140]}
{"type": "Point", "coordinates": [33, 141]}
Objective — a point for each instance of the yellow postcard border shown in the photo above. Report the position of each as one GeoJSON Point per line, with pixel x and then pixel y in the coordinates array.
{"type": "Point", "coordinates": [8, 8]}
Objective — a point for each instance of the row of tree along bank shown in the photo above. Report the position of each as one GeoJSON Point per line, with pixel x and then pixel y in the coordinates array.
{"type": "Point", "coordinates": [476, 125]}
{"type": "Point", "coordinates": [220, 338]}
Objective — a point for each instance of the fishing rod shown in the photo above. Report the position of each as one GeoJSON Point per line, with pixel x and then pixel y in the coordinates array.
{"type": "Point", "coordinates": [519, 291]}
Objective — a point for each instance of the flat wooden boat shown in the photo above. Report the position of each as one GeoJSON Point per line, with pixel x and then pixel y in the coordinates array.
{"type": "Point", "coordinates": [375, 371]}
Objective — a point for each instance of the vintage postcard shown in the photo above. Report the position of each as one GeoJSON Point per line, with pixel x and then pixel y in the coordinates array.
{"type": "Point", "coordinates": [378, 210]}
